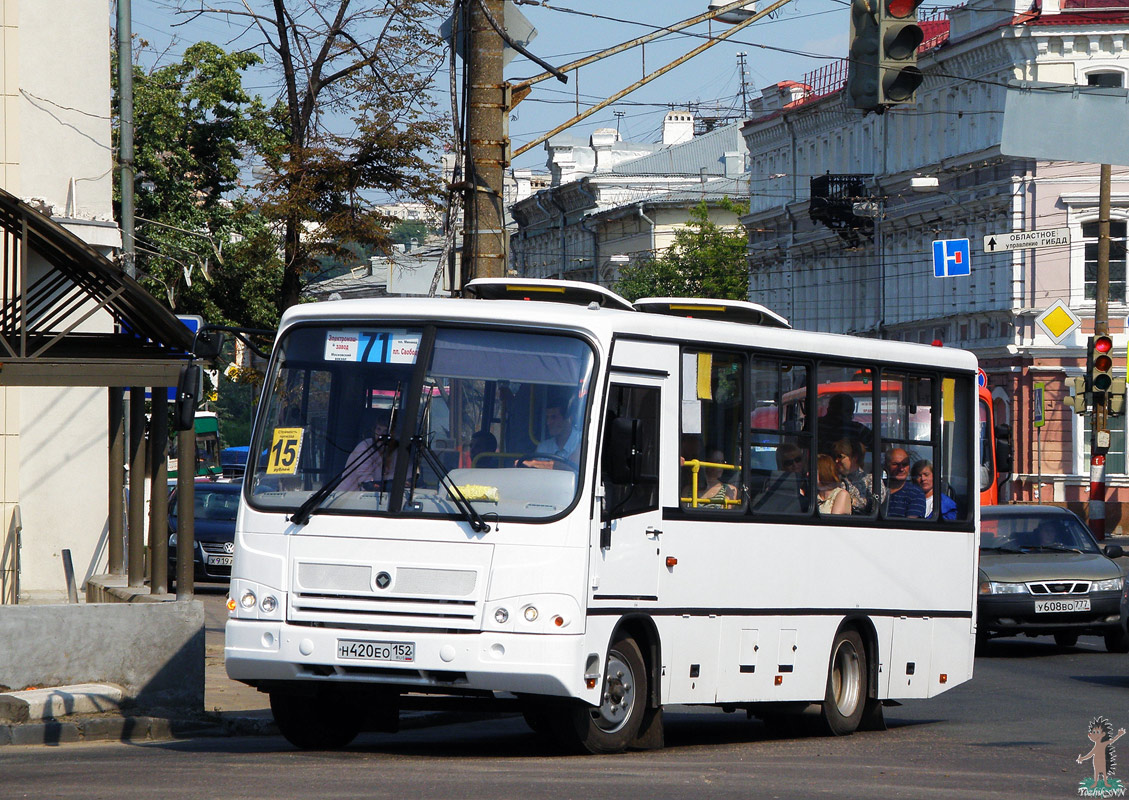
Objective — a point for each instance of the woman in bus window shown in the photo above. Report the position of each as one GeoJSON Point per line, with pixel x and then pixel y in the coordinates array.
{"type": "Point", "coordinates": [848, 455]}
{"type": "Point", "coordinates": [833, 498]}
{"type": "Point", "coordinates": [922, 474]}
{"type": "Point", "coordinates": [711, 488]}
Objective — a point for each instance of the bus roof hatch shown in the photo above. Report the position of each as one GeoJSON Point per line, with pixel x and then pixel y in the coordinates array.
{"type": "Point", "coordinates": [703, 308]}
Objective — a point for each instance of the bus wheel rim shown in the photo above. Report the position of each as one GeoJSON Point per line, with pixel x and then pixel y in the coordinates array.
{"type": "Point", "coordinates": [619, 695]}
{"type": "Point", "coordinates": [846, 679]}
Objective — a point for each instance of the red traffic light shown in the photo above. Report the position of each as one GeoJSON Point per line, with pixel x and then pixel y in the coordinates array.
{"type": "Point", "coordinates": [1103, 344]}
{"type": "Point", "coordinates": [901, 9]}
{"type": "Point", "coordinates": [1103, 362]}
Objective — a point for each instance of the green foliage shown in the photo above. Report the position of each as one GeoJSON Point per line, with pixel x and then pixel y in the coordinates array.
{"type": "Point", "coordinates": [407, 229]}
{"type": "Point", "coordinates": [201, 243]}
{"type": "Point", "coordinates": [704, 261]}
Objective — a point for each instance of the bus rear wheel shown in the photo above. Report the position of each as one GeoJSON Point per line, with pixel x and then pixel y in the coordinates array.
{"type": "Point", "coordinates": [315, 722]}
{"type": "Point", "coordinates": [611, 726]}
{"type": "Point", "coordinates": [845, 698]}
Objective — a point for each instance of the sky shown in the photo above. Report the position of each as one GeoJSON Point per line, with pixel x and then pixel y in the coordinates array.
{"type": "Point", "coordinates": [798, 38]}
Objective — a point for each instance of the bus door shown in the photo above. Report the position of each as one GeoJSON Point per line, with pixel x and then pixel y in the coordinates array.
{"type": "Point", "coordinates": [627, 562]}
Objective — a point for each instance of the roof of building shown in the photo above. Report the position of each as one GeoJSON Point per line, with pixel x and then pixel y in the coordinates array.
{"type": "Point", "coordinates": [688, 158]}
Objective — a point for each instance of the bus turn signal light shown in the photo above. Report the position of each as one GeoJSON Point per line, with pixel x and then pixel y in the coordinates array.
{"type": "Point", "coordinates": [671, 561]}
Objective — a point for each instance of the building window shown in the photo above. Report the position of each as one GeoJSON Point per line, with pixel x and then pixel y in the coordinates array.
{"type": "Point", "coordinates": [1106, 80]}
{"type": "Point", "coordinates": [1116, 259]}
{"type": "Point", "coordinates": [1115, 457]}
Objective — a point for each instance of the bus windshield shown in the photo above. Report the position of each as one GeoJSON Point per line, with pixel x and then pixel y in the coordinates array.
{"type": "Point", "coordinates": [422, 421]}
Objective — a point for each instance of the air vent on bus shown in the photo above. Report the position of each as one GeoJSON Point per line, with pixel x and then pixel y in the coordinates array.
{"type": "Point", "coordinates": [546, 290]}
{"type": "Point", "coordinates": [702, 308]}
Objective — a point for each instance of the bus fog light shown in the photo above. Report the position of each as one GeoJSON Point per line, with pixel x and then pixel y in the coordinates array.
{"type": "Point", "coordinates": [247, 600]}
{"type": "Point", "coordinates": [501, 616]}
{"type": "Point", "coordinates": [268, 603]}
{"type": "Point", "coordinates": [530, 614]}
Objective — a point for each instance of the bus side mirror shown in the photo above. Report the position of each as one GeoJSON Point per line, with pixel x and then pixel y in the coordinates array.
{"type": "Point", "coordinates": [621, 445]}
{"type": "Point", "coordinates": [187, 398]}
{"type": "Point", "coordinates": [1003, 449]}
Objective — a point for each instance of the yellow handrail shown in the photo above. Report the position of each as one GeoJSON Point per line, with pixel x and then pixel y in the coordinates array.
{"type": "Point", "coordinates": [695, 465]}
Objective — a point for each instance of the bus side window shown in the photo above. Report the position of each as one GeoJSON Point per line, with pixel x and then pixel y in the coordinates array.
{"type": "Point", "coordinates": [780, 438]}
{"type": "Point", "coordinates": [711, 449]}
{"type": "Point", "coordinates": [626, 497]}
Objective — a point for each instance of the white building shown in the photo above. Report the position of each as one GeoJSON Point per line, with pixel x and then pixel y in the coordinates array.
{"type": "Point", "coordinates": [612, 202]}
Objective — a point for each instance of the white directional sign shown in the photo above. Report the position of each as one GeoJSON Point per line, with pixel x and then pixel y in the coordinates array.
{"type": "Point", "coordinates": [1022, 240]}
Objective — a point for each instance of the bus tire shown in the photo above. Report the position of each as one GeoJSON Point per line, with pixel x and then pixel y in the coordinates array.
{"type": "Point", "coordinates": [314, 722]}
{"type": "Point", "coordinates": [845, 698]}
{"type": "Point", "coordinates": [614, 724]}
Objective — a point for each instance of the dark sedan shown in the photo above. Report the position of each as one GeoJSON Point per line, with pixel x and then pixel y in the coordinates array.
{"type": "Point", "coordinates": [1042, 573]}
{"type": "Point", "coordinates": [216, 506]}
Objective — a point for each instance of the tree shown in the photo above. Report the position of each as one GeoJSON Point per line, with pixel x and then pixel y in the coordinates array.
{"type": "Point", "coordinates": [201, 243]}
{"type": "Point", "coordinates": [704, 261]}
{"type": "Point", "coordinates": [354, 117]}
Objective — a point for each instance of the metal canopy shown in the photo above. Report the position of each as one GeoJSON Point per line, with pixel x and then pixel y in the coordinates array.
{"type": "Point", "coordinates": [39, 341]}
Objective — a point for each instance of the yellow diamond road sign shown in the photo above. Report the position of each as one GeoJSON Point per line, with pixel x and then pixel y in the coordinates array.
{"type": "Point", "coordinates": [1058, 321]}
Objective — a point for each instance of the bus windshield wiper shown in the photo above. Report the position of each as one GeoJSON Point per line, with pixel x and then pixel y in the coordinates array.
{"type": "Point", "coordinates": [310, 506]}
{"type": "Point", "coordinates": [477, 523]}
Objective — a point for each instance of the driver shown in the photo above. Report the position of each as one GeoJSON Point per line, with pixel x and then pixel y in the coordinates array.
{"type": "Point", "coordinates": [562, 440]}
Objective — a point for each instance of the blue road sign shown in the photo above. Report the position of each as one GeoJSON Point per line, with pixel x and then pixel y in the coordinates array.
{"type": "Point", "coordinates": [951, 258]}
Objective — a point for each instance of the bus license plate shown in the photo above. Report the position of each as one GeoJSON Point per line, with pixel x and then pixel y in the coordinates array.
{"type": "Point", "coordinates": [376, 651]}
{"type": "Point", "coordinates": [1062, 606]}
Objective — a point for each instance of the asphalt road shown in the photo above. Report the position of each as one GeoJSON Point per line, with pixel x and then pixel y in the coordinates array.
{"type": "Point", "coordinates": [1013, 732]}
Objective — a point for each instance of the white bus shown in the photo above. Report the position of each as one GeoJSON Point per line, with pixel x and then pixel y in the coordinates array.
{"type": "Point", "coordinates": [582, 507]}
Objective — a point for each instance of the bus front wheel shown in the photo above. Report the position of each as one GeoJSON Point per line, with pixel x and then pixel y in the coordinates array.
{"type": "Point", "coordinates": [315, 722]}
{"type": "Point", "coordinates": [612, 725]}
{"type": "Point", "coordinates": [845, 698]}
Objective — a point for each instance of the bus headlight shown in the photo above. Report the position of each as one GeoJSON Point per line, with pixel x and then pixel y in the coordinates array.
{"type": "Point", "coordinates": [268, 604]}
{"type": "Point", "coordinates": [530, 613]}
{"type": "Point", "coordinates": [501, 616]}
{"type": "Point", "coordinates": [247, 600]}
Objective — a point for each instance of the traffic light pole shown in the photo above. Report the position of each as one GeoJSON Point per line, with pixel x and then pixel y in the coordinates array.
{"type": "Point", "coordinates": [1099, 427]}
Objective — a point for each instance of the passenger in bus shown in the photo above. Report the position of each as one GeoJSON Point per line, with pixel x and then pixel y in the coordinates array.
{"type": "Point", "coordinates": [711, 488]}
{"type": "Point", "coordinates": [922, 474]}
{"type": "Point", "coordinates": [849, 455]}
{"type": "Point", "coordinates": [373, 461]}
{"type": "Point", "coordinates": [839, 423]}
{"type": "Point", "coordinates": [783, 493]}
{"type": "Point", "coordinates": [833, 497]}
{"type": "Point", "coordinates": [904, 498]}
{"type": "Point", "coordinates": [483, 449]}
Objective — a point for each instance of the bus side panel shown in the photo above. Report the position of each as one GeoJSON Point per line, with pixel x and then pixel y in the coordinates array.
{"type": "Point", "coordinates": [691, 660]}
{"type": "Point", "coordinates": [910, 663]}
{"type": "Point", "coordinates": [756, 651]}
{"type": "Point", "coordinates": [952, 654]}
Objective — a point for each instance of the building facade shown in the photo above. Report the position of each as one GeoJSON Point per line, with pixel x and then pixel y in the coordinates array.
{"type": "Point", "coordinates": [56, 154]}
{"type": "Point", "coordinates": [613, 202]}
{"type": "Point", "coordinates": [934, 171]}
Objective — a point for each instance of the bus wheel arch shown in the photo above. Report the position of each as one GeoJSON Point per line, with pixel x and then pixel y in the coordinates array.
{"type": "Point", "coordinates": [642, 629]}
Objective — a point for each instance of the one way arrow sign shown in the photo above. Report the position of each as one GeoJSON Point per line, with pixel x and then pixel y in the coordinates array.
{"type": "Point", "coordinates": [1023, 240]}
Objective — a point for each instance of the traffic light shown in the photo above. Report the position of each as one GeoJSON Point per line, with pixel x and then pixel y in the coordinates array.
{"type": "Point", "coordinates": [1117, 397]}
{"type": "Point", "coordinates": [862, 66]}
{"type": "Point", "coordinates": [1077, 401]}
{"type": "Point", "coordinates": [900, 36]}
{"type": "Point", "coordinates": [1101, 367]}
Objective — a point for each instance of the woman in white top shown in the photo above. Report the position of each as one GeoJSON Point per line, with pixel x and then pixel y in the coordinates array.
{"type": "Point", "coordinates": [833, 498]}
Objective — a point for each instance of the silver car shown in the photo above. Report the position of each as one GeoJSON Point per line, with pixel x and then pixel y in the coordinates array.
{"type": "Point", "coordinates": [1042, 573]}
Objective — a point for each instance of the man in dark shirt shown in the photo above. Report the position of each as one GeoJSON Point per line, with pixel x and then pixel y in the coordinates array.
{"type": "Point", "coordinates": [905, 498]}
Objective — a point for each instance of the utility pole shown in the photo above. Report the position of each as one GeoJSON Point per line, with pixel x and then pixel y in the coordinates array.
{"type": "Point", "coordinates": [1099, 425]}
{"type": "Point", "coordinates": [487, 145]}
{"type": "Point", "coordinates": [125, 133]}
{"type": "Point", "coordinates": [744, 84]}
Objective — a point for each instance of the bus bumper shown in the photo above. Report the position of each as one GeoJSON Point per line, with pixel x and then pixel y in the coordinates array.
{"type": "Point", "coordinates": [260, 652]}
